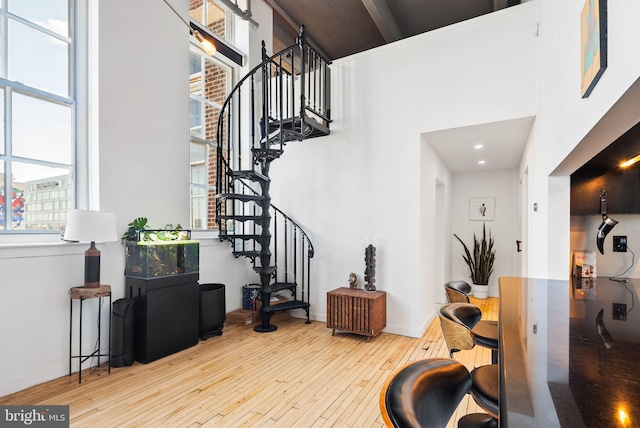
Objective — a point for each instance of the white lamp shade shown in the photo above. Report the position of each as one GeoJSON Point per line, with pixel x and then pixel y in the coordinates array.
{"type": "Point", "coordinates": [88, 226]}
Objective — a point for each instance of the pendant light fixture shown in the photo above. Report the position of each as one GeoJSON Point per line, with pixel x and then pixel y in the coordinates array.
{"type": "Point", "coordinates": [207, 45]}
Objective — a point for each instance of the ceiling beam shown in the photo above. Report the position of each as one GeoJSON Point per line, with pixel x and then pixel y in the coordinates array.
{"type": "Point", "coordinates": [384, 20]}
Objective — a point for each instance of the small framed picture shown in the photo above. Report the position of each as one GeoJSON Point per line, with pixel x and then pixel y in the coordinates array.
{"type": "Point", "coordinates": [482, 208]}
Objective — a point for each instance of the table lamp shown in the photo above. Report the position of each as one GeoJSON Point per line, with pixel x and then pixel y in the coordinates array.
{"type": "Point", "coordinates": [91, 226]}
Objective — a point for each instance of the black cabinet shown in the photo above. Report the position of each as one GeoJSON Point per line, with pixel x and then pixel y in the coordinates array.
{"type": "Point", "coordinates": [621, 186]}
{"type": "Point", "coordinates": [167, 315]}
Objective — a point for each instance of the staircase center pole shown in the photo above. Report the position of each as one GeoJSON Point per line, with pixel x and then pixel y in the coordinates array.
{"type": "Point", "coordinates": [265, 269]}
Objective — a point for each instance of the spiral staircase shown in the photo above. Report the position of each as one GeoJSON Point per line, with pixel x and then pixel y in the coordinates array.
{"type": "Point", "coordinates": [285, 98]}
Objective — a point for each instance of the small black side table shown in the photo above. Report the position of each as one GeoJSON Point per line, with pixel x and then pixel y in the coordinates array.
{"type": "Point", "coordinates": [82, 293]}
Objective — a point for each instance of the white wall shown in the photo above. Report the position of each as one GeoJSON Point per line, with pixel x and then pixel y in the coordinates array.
{"type": "Point", "coordinates": [498, 184]}
{"type": "Point", "coordinates": [373, 176]}
{"type": "Point", "coordinates": [567, 131]}
{"type": "Point", "coordinates": [433, 224]}
{"type": "Point", "coordinates": [141, 137]}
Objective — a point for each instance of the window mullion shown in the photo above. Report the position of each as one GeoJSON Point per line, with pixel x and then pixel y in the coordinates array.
{"type": "Point", "coordinates": [8, 185]}
{"type": "Point", "coordinates": [5, 43]}
{"type": "Point", "coordinates": [62, 37]}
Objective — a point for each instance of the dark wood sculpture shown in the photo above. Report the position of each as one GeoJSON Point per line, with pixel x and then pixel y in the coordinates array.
{"type": "Point", "coordinates": [370, 268]}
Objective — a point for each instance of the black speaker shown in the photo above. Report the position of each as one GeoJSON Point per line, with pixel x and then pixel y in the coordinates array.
{"type": "Point", "coordinates": [123, 333]}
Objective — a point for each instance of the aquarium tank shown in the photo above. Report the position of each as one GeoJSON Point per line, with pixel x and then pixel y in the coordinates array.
{"type": "Point", "coordinates": [161, 253]}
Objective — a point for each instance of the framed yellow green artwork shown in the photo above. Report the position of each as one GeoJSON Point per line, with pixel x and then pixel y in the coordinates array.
{"type": "Point", "coordinates": [593, 40]}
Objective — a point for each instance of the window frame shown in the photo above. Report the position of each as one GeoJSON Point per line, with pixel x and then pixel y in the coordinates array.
{"type": "Point", "coordinates": [229, 21]}
{"type": "Point", "coordinates": [77, 100]}
{"type": "Point", "coordinates": [233, 71]}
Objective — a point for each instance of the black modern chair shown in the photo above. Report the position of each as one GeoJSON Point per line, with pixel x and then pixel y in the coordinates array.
{"type": "Point", "coordinates": [426, 393]}
{"type": "Point", "coordinates": [463, 328]}
{"type": "Point", "coordinates": [485, 390]}
{"type": "Point", "coordinates": [457, 291]}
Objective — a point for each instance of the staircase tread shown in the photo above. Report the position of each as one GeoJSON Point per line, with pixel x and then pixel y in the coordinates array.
{"type": "Point", "coordinates": [269, 270]}
{"type": "Point", "coordinates": [239, 196]}
{"type": "Point", "coordinates": [266, 153]}
{"type": "Point", "coordinates": [280, 135]}
{"type": "Point", "coordinates": [247, 253]}
{"type": "Point", "coordinates": [250, 174]}
{"type": "Point", "coordinates": [244, 236]}
{"type": "Point", "coordinates": [291, 304]}
{"type": "Point", "coordinates": [290, 125]}
{"type": "Point", "coordinates": [241, 217]}
{"type": "Point", "coordinates": [272, 135]}
{"type": "Point", "coordinates": [277, 286]}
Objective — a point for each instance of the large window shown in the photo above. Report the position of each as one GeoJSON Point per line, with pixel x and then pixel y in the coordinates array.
{"type": "Point", "coordinates": [210, 82]}
{"type": "Point", "coordinates": [38, 138]}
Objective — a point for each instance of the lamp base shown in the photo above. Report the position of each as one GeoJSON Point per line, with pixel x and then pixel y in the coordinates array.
{"type": "Point", "coordinates": [92, 267]}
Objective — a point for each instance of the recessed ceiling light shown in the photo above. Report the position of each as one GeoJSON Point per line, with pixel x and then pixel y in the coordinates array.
{"type": "Point", "coordinates": [478, 146]}
{"type": "Point", "coordinates": [481, 162]}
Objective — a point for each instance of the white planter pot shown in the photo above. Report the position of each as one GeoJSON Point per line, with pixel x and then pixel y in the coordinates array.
{"type": "Point", "coordinates": [480, 291]}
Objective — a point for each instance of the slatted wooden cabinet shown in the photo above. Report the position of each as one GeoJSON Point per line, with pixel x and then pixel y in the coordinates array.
{"type": "Point", "coordinates": [357, 311]}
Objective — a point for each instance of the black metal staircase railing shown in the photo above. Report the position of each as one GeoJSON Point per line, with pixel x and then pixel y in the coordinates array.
{"type": "Point", "coordinates": [283, 99]}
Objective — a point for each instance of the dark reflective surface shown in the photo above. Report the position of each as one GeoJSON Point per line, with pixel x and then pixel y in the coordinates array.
{"type": "Point", "coordinates": [566, 362]}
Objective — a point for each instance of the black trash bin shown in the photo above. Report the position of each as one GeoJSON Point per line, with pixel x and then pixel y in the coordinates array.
{"type": "Point", "coordinates": [212, 310]}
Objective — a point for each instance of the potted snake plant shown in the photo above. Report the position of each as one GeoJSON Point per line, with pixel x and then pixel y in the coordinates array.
{"type": "Point", "coordinates": [480, 262]}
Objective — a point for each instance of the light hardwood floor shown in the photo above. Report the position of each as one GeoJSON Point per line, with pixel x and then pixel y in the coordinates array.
{"type": "Point", "coordinates": [297, 376]}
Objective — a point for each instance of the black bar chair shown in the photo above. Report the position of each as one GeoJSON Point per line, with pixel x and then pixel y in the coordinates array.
{"type": "Point", "coordinates": [426, 393]}
{"type": "Point", "coordinates": [463, 328]}
{"type": "Point", "coordinates": [457, 291]}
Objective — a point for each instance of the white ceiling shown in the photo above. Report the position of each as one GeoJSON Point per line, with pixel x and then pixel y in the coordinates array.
{"type": "Point", "coordinates": [503, 145]}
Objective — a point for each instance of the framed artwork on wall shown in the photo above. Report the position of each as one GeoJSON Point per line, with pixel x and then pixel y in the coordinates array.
{"type": "Point", "coordinates": [482, 209]}
{"type": "Point", "coordinates": [593, 43]}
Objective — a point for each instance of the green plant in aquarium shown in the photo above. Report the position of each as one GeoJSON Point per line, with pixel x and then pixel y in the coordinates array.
{"type": "Point", "coordinates": [171, 233]}
{"type": "Point", "coordinates": [136, 228]}
{"type": "Point", "coordinates": [139, 231]}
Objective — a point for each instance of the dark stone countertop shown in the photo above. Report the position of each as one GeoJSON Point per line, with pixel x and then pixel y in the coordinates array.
{"type": "Point", "coordinates": [561, 364]}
